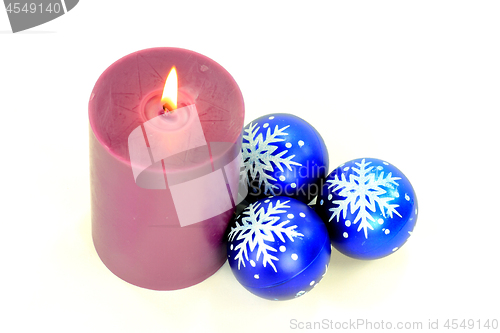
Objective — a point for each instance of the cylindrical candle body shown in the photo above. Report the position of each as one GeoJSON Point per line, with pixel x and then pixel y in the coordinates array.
{"type": "Point", "coordinates": [162, 196]}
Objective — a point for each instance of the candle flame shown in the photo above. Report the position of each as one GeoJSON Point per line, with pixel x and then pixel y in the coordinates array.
{"type": "Point", "coordinates": [169, 97]}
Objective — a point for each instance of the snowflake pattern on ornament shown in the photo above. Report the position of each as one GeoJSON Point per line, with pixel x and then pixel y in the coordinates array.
{"type": "Point", "coordinates": [257, 228]}
{"type": "Point", "coordinates": [363, 192]}
{"type": "Point", "coordinates": [258, 154]}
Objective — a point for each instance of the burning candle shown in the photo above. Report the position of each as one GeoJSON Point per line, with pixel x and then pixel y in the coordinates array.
{"type": "Point", "coordinates": [164, 168]}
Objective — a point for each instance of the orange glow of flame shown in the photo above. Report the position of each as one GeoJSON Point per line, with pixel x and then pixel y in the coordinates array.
{"type": "Point", "coordinates": [169, 96]}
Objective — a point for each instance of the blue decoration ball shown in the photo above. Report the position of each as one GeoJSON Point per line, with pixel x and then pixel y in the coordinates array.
{"type": "Point", "coordinates": [369, 208]}
{"type": "Point", "coordinates": [283, 155]}
{"type": "Point", "coordinates": [278, 248]}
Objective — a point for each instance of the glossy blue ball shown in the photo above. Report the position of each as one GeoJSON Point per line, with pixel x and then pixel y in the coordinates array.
{"type": "Point", "coordinates": [278, 248]}
{"type": "Point", "coordinates": [283, 155]}
{"type": "Point", "coordinates": [369, 208]}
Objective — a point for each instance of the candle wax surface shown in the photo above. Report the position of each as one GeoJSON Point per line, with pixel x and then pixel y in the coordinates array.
{"type": "Point", "coordinates": [119, 93]}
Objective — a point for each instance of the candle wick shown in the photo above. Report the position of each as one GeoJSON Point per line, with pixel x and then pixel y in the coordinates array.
{"type": "Point", "coordinates": [168, 108]}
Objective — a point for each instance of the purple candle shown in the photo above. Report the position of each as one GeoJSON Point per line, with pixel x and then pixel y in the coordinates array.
{"type": "Point", "coordinates": [164, 184]}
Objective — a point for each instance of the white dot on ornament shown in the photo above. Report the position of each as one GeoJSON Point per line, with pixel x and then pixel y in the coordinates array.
{"type": "Point", "coordinates": [387, 231]}
{"type": "Point", "coordinates": [293, 185]}
{"type": "Point", "coordinates": [416, 211]}
{"type": "Point", "coordinates": [272, 117]}
{"type": "Point", "coordinates": [231, 247]}
{"type": "Point", "coordinates": [346, 168]}
{"type": "Point", "coordinates": [294, 256]}
{"type": "Point", "coordinates": [282, 248]}
{"type": "Point", "coordinates": [347, 223]}
{"type": "Point", "coordinates": [312, 282]}
{"type": "Point", "coordinates": [407, 197]}
{"type": "Point", "coordinates": [302, 215]}
{"type": "Point", "coordinates": [301, 143]}
{"type": "Point", "coordinates": [282, 178]}
{"type": "Point", "coordinates": [321, 202]}
{"type": "Point", "coordinates": [266, 125]}
{"type": "Point", "coordinates": [345, 234]}
{"type": "Point", "coordinates": [386, 163]}
{"type": "Point", "coordinates": [266, 201]}
{"type": "Point", "coordinates": [380, 221]}
{"type": "Point", "coordinates": [288, 145]}
{"type": "Point", "coordinates": [330, 197]}
{"type": "Point", "coordinates": [380, 168]}
{"type": "Point", "coordinates": [290, 216]}
{"type": "Point", "coordinates": [256, 276]}
{"type": "Point", "coordinates": [252, 263]}
{"type": "Point", "coordinates": [395, 249]}
{"type": "Point", "coordinates": [396, 194]}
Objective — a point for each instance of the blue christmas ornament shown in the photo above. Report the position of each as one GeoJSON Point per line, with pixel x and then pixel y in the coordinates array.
{"type": "Point", "coordinates": [283, 155]}
{"type": "Point", "coordinates": [369, 208]}
{"type": "Point", "coordinates": [278, 248]}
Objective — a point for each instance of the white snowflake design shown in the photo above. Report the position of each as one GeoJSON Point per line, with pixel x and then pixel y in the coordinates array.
{"type": "Point", "coordinates": [258, 153]}
{"type": "Point", "coordinates": [257, 228]}
{"type": "Point", "coordinates": [363, 192]}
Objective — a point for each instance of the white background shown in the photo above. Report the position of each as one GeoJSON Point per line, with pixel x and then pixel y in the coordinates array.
{"type": "Point", "coordinates": [415, 83]}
